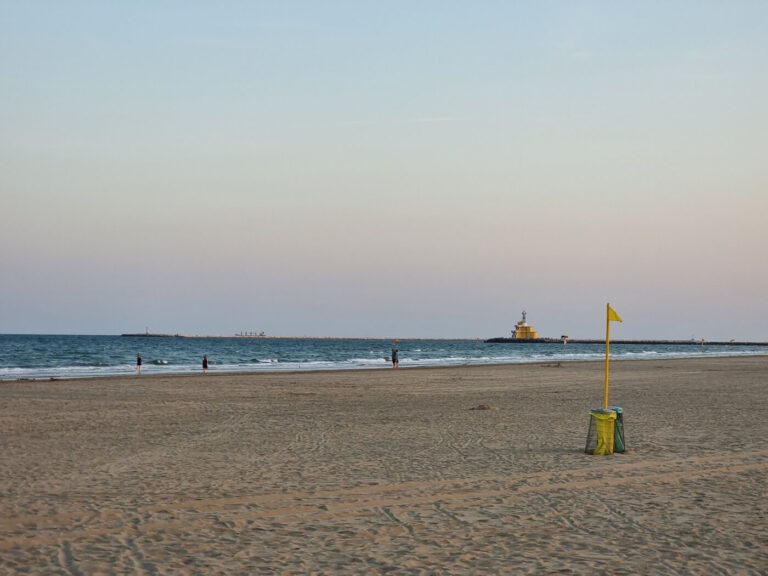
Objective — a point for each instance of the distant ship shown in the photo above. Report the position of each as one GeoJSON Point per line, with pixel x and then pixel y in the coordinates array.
{"type": "Point", "coordinates": [149, 334]}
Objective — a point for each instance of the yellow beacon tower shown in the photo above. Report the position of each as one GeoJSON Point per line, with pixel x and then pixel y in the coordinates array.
{"type": "Point", "coordinates": [523, 330]}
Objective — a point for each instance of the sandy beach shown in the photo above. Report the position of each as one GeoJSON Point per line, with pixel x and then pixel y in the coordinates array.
{"type": "Point", "coordinates": [388, 472]}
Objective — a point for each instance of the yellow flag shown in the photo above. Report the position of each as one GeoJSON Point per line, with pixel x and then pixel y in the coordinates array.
{"type": "Point", "coordinates": [612, 315]}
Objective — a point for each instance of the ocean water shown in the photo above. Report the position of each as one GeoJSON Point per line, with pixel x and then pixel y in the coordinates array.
{"type": "Point", "coordinates": [49, 356]}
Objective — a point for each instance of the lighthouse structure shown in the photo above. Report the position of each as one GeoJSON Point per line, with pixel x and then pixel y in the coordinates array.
{"type": "Point", "coordinates": [523, 330]}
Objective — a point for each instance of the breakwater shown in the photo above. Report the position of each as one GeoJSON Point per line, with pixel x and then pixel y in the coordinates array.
{"type": "Point", "coordinates": [154, 335]}
{"type": "Point", "coordinates": [645, 342]}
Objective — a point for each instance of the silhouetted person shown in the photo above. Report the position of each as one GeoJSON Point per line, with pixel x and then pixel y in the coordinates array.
{"type": "Point", "coordinates": [205, 364]}
{"type": "Point", "coordinates": [138, 363]}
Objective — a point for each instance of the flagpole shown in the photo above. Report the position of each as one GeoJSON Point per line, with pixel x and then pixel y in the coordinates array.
{"type": "Point", "coordinates": [607, 347]}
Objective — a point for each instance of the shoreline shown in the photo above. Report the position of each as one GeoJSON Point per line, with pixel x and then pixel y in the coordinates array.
{"type": "Point", "coordinates": [330, 371]}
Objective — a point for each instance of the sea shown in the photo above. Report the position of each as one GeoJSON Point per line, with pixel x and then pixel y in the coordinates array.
{"type": "Point", "coordinates": [29, 356]}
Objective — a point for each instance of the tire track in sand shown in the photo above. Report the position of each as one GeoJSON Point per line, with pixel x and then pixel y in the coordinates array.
{"type": "Point", "coordinates": [298, 507]}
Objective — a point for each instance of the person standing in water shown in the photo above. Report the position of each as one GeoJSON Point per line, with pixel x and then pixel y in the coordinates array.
{"type": "Point", "coordinates": [395, 354]}
{"type": "Point", "coordinates": [138, 363]}
{"type": "Point", "coordinates": [205, 364]}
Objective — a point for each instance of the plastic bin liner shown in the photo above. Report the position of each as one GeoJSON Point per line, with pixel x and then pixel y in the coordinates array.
{"type": "Point", "coordinates": [601, 432]}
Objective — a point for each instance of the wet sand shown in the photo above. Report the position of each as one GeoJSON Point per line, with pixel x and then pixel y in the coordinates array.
{"type": "Point", "coordinates": [388, 472]}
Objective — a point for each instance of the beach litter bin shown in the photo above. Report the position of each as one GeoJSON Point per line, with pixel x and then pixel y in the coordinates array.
{"type": "Point", "coordinates": [618, 430]}
{"type": "Point", "coordinates": [600, 435]}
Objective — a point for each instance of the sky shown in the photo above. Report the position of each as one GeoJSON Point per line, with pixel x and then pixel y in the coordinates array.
{"type": "Point", "coordinates": [395, 169]}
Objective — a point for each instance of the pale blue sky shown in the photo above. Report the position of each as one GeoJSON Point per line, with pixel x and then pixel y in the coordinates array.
{"type": "Point", "coordinates": [384, 168]}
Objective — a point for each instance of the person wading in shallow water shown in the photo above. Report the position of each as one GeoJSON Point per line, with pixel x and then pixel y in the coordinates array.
{"type": "Point", "coordinates": [138, 363]}
{"type": "Point", "coordinates": [395, 354]}
{"type": "Point", "coordinates": [205, 364]}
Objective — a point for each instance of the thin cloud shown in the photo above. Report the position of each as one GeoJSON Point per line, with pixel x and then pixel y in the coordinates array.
{"type": "Point", "coordinates": [416, 120]}
{"type": "Point", "coordinates": [432, 119]}
{"type": "Point", "coordinates": [580, 55]}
